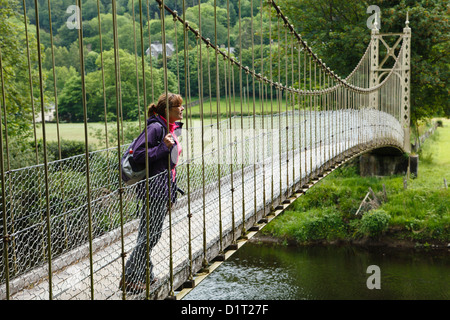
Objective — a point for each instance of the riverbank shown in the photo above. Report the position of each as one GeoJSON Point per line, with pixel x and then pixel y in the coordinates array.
{"type": "Point", "coordinates": [413, 213]}
{"type": "Point", "coordinates": [387, 241]}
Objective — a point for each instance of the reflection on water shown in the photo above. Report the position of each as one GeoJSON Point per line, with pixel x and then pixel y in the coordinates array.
{"type": "Point", "coordinates": [268, 272]}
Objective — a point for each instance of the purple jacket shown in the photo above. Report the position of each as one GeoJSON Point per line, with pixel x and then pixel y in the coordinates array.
{"type": "Point", "coordinates": [158, 157]}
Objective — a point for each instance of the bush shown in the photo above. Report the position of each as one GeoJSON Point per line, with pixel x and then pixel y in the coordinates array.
{"type": "Point", "coordinates": [69, 148]}
{"type": "Point", "coordinates": [22, 153]}
{"type": "Point", "coordinates": [374, 223]}
{"type": "Point", "coordinates": [326, 227]}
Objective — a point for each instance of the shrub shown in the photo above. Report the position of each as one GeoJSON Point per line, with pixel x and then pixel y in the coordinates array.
{"type": "Point", "coordinates": [326, 227]}
{"type": "Point", "coordinates": [319, 224]}
{"type": "Point", "coordinates": [22, 153]}
{"type": "Point", "coordinates": [374, 223]}
{"type": "Point", "coordinates": [69, 148]}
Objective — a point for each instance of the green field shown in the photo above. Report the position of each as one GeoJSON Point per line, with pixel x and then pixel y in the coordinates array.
{"type": "Point", "coordinates": [69, 131]}
{"type": "Point", "coordinates": [233, 106]}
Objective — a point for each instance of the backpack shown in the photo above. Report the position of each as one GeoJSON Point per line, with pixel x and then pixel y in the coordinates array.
{"type": "Point", "coordinates": [133, 172]}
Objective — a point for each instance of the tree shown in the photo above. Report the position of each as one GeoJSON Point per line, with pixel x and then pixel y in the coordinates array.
{"type": "Point", "coordinates": [58, 9]}
{"type": "Point", "coordinates": [15, 70]}
{"type": "Point", "coordinates": [124, 31]}
{"type": "Point", "coordinates": [207, 11]}
{"type": "Point", "coordinates": [337, 32]}
{"type": "Point", "coordinates": [63, 74]}
{"type": "Point", "coordinates": [70, 99]}
{"type": "Point", "coordinates": [430, 53]}
{"type": "Point", "coordinates": [208, 72]}
{"type": "Point", "coordinates": [90, 61]}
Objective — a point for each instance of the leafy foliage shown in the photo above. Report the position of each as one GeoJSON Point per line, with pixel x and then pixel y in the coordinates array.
{"type": "Point", "coordinates": [70, 99]}
{"type": "Point", "coordinates": [16, 81]}
{"type": "Point", "coordinates": [337, 31]}
{"type": "Point", "coordinates": [374, 223]}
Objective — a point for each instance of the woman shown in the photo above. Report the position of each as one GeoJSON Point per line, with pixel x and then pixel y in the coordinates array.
{"type": "Point", "coordinates": [162, 141]}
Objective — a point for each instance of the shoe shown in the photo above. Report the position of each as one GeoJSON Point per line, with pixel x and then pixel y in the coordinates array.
{"type": "Point", "coordinates": [134, 287]}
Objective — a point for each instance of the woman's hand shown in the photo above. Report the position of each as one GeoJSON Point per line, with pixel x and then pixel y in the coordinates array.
{"type": "Point", "coordinates": [169, 140]}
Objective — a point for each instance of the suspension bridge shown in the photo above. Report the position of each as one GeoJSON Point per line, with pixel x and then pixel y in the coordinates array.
{"type": "Point", "coordinates": [68, 226]}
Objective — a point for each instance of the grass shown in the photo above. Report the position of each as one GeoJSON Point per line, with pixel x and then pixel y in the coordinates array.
{"type": "Point", "coordinates": [69, 131]}
{"type": "Point", "coordinates": [421, 213]}
{"type": "Point", "coordinates": [233, 106]}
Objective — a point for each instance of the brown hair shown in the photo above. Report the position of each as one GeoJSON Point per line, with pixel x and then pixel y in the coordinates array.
{"type": "Point", "coordinates": [175, 100]}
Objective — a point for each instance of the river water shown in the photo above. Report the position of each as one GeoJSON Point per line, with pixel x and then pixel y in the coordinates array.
{"type": "Point", "coordinates": [272, 272]}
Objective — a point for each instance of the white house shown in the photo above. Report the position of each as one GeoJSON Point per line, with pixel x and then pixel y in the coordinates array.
{"type": "Point", "coordinates": [225, 49]}
{"type": "Point", "coordinates": [157, 49]}
{"type": "Point", "coordinates": [49, 114]}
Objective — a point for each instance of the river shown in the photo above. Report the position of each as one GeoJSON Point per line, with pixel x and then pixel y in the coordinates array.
{"type": "Point", "coordinates": [275, 272]}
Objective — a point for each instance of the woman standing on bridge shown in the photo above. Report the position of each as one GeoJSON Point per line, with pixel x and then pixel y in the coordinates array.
{"type": "Point", "coordinates": [162, 141]}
